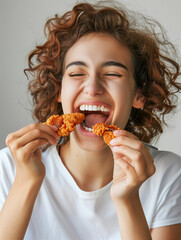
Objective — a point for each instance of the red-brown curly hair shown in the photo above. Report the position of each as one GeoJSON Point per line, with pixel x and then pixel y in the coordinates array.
{"type": "Point", "coordinates": [155, 69]}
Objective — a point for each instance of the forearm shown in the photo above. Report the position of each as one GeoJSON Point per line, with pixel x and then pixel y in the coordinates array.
{"type": "Point", "coordinates": [132, 222]}
{"type": "Point", "coordinates": [17, 210]}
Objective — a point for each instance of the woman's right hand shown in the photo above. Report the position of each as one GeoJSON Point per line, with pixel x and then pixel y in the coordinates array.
{"type": "Point", "coordinates": [25, 147]}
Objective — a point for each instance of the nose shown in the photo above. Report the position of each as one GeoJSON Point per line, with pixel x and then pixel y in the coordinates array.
{"type": "Point", "coordinates": [93, 86]}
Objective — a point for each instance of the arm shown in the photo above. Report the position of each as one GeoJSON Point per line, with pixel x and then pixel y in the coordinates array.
{"type": "Point", "coordinates": [133, 164]}
{"type": "Point", "coordinates": [132, 220]}
{"type": "Point", "coordinates": [172, 232]}
{"type": "Point", "coordinates": [16, 212]}
{"type": "Point", "coordinates": [25, 148]}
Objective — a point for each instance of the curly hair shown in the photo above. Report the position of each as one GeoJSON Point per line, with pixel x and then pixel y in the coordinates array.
{"type": "Point", "coordinates": [156, 69]}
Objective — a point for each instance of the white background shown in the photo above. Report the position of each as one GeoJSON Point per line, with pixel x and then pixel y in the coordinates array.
{"type": "Point", "coordinates": [21, 28]}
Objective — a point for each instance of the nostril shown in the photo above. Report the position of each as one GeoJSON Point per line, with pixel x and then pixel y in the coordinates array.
{"type": "Point", "coordinates": [93, 89]}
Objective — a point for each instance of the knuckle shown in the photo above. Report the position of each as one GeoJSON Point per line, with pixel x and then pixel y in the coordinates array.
{"type": "Point", "coordinates": [140, 146]}
{"type": "Point", "coordinates": [149, 172]}
{"type": "Point", "coordinates": [138, 156]}
{"type": "Point", "coordinates": [37, 131]}
{"type": "Point", "coordinates": [33, 125]}
{"type": "Point", "coordinates": [144, 177]}
{"type": "Point", "coordinates": [14, 146]}
{"type": "Point", "coordinates": [9, 138]}
{"type": "Point", "coordinates": [152, 170]}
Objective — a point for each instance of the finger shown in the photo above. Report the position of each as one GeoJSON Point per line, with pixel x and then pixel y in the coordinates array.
{"type": "Point", "coordinates": [118, 133]}
{"type": "Point", "coordinates": [136, 157]}
{"type": "Point", "coordinates": [23, 130]}
{"type": "Point", "coordinates": [125, 140]}
{"type": "Point", "coordinates": [127, 169]}
{"type": "Point", "coordinates": [35, 134]}
{"type": "Point", "coordinates": [49, 129]}
{"type": "Point", "coordinates": [33, 146]}
{"type": "Point", "coordinates": [135, 144]}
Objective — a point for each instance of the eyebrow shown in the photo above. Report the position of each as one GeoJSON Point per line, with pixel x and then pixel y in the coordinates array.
{"type": "Point", "coordinates": [113, 63]}
{"type": "Point", "coordinates": [77, 63]}
{"type": "Point", "coordinates": [106, 64]}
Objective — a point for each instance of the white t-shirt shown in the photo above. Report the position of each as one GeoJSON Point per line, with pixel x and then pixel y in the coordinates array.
{"type": "Point", "coordinates": [63, 211]}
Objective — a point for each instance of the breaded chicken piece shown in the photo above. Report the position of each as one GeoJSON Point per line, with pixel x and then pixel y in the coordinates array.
{"type": "Point", "coordinates": [66, 123]}
{"type": "Point", "coordinates": [105, 130]}
{"type": "Point", "coordinates": [100, 128]}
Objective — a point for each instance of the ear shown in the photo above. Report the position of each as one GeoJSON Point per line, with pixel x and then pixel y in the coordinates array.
{"type": "Point", "coordinates": [59, 98]}
{"type": "Point", "coordinates": [139, 99]}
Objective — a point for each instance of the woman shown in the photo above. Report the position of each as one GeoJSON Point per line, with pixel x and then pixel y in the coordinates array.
{"type": "Point", "coordinates": [97, 61]}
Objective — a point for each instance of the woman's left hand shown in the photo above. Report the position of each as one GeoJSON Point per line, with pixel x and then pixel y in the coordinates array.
{"type": "Point", "coordinates": [133, 164]}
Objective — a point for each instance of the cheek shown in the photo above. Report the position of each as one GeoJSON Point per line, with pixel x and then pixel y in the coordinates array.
{"type": "Point", "coordinates": [123, 99]}
{"type": "Point", "coordinates": [123, 93]}
{"type": "Point", "coordinates": [68, 95]}
{"type": "Point", "coordinates": [65, 96]}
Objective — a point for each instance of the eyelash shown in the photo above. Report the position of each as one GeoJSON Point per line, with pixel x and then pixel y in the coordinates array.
{"type": "Point", "coordinates": [113, 74]}
{"type": "Point", "coordinates": [76, 75]}
{"type": "Point", "coordinates": [106, 74]}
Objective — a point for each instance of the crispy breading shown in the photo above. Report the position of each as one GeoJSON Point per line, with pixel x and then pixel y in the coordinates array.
{"type": "Point", "coordinates": [55, 120]}
{"type": "Point", "coordinates": [100, 128]}
{"type": "Point", "coordinates": [66, 123]}
{"type": "Point", "coordinates": [108, 136]}
{"type": "Point", "coordinates": [105, 130]}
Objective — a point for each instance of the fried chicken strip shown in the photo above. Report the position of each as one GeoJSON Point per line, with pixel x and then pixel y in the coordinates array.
{"type": "Point", "coordinates": [66, 123]}
{"type": "Point", "coordinates": [105, 130]}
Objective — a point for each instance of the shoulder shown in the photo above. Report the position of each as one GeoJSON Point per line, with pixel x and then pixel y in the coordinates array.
{"type": "Point", "coordinates": [7, 174]}
{"type": "Point", "coordinates": [168, 167]}
{"type": "Point", "coordinates": [165, 159]}
{"type": "Point", "coordinates": [160, 194]}
{"type": "Point", "coordinates": [4, 151]}
{"type": "Point", "coordinates": [6, 161]}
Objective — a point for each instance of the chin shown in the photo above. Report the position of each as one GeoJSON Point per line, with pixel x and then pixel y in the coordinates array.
{"type": "Point", "coordinates": [93, 147]}
{"type": "Point", "coordinates": [89, 144]}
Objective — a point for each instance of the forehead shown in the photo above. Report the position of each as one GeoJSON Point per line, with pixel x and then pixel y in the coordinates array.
{"type": "Point", "coordinates": [98, 48]}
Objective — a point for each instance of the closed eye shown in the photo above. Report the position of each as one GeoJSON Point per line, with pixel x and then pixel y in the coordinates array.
{"type": "Point", "coordinates": [113, 74]}
{"type": "Point", "coordinates": [76, 74]}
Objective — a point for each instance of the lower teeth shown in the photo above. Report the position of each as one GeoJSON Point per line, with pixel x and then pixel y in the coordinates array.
{"type": "Point", "coordinates": [87, 129]}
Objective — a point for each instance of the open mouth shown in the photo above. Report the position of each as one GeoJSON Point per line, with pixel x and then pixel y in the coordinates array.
{"type": "Point", "coordinates": [93, 114]}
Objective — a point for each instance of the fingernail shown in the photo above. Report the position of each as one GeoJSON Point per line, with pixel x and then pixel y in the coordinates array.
{"type": "Point", "coordinates": [116, 133]}
{"type": "Point", "coordinates": [112, 142]}
{"type": "Point", "coordinates": [54, 127]}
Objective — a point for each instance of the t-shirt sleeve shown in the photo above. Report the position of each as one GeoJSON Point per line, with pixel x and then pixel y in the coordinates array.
{"type": "Point", "coordinates": [168, 207]}
{"type": "Point", "coordinates": [7, 174]}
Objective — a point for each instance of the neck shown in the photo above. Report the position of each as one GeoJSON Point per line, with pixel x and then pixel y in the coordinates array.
{"type": "Point", "coordinates": [91, 170]}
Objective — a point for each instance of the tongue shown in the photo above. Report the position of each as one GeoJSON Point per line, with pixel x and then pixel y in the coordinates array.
{"type": "Point", "coordinates": [92, 119]}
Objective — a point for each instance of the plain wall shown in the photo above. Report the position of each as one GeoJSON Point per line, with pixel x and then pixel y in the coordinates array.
{"type": "Point", "coordinates": [21, 28]}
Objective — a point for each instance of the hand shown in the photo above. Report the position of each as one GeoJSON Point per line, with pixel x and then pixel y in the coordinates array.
{"type": "Point", "coordinates": [25, 144]}
{"type": "Point", "coordinates": [133, 164]}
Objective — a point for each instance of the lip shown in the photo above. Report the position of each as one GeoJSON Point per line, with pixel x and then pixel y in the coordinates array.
{"type": "Point", "coordinates": [85, 132]}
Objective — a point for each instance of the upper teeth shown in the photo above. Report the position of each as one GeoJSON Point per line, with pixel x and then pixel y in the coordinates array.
{"type": "Point", "coordinates": [85, 107]}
